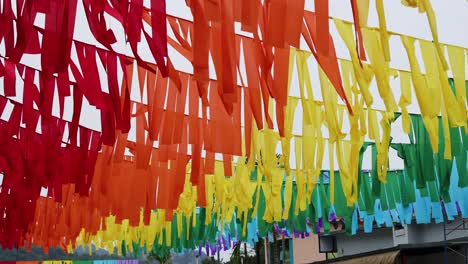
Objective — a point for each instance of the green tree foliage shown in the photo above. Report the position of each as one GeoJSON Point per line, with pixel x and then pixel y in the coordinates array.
{"type": "Point", "coordinates": [162, 256]}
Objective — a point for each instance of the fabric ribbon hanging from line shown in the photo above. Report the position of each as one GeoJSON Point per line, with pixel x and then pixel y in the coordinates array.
{"type": "Point", "coordinates": [395, 202]}
{"type": "Point", "coordinates": [326, 55]}
{"type": "Point", "coordinates": [221, 15]}
{"type": "Point", "coordinates": [109, 198]}
{"type": "Point", "coordinates": [131, 15]}
{"type": "Point", "coordinates": [215, 169]}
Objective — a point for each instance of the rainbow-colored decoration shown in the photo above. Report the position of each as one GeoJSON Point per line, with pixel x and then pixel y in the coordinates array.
{"type": "Point", "coordinates": [110, 144]}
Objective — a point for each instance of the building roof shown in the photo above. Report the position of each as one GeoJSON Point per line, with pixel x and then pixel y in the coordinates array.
{"type": "Point", "coordinates": [407, 249]}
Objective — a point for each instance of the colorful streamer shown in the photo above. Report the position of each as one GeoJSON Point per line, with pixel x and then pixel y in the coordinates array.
{"type": "Point", "coordinates": [195, 161]}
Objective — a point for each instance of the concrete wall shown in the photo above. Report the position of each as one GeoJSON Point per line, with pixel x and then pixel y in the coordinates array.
{"type": "Point", "coordinates": [417, 234]}
{"type": "Point", "coordinates": [364, 242]}
{"type": "Point", "coordinates": [307, 250]}
{"type": "Point", "coordinates": [425, 233]}
{"type": "Point", "coordinates": [390, 237]}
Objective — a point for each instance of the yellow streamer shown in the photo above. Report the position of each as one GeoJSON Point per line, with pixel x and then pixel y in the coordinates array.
{"type": "Point", "coordinates": [363, 7]}
{"type": "Point", "coordinates": [382, 155]}
{"type": "Point", "coordinates": [357, 136]}
{"type": "Point", "coordinates": [330, 101]}
{"type": "Point", "coordinates": [384, 37]}
{"type": "Point", "coordinates": [299, 174]}
{"type": "Point", "coordinates": [457, 64]}
{"type": "Point", "coordinates": [425, 6]}
{"type": "Point", "coordinates": [381, 69]}
{"type": "Point", "coordinates": [286, 145]}
{"type": "Point", "coordinates": [405, 100]}
{"type": "Point", "coordinates": [362, 71]}
{"type": "Point", "coordinates": [429, 110]}
{"type": "Point", "coordinates": [331, 158]}
{"type": "Point", "coordinates": [348, 182]}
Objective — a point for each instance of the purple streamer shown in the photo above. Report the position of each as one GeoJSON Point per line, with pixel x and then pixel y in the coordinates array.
{"type": "Point", "coordinates": [319, 225]}
{"type": "Point", "coordinates": [296, 234]}
{"type": "Point", "coordinates": [332, 216]}
{"type": "Point", "coordinates": [207, 248]}
{"type": "Point", "coordinates": [277, 229]}
{"type": "Point", "coordinates": [213, 250]}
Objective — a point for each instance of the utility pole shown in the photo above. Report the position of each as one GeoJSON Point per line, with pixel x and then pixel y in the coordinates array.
{"type": "Point", "coordinates": [257, 251]}
{"type": "Point", "coordinates": [245, 250]}
{"type": "Point", "coordinates": [267, 250]}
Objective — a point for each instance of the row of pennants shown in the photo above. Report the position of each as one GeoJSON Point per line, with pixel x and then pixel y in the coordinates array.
{"type": "Point", "coordinates": [103, 173]}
